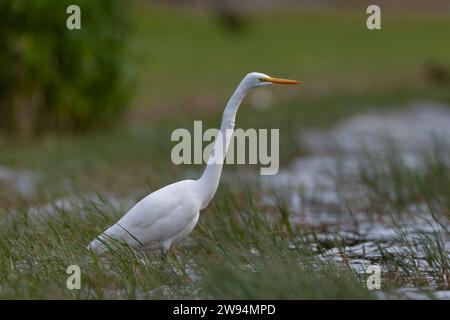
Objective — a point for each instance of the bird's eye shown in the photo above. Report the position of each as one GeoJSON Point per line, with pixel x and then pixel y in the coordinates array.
{"type": "Point", "coordinates": [262, 79]}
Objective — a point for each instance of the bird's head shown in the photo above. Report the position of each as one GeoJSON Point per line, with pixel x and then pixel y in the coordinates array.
{"type": "Point", "coordinates": [257, 79]}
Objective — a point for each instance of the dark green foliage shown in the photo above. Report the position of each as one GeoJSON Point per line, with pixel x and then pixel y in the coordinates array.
{"type": "Point", "coordinates": [52, 78]}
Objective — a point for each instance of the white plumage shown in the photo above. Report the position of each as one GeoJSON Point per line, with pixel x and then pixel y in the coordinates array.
{"type": "Point", "coordinates": [169, 214]}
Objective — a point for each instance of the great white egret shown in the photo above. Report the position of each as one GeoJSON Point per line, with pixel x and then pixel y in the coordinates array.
{"type": "Point", "coordinates": [169, 214]}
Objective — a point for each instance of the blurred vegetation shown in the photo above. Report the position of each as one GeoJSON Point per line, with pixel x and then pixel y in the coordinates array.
{"type": "Point", "coordinates": [52, 78]}
{"type": "Point", "coordinates": [346, 69]}
{"type": "Point", "coordinates": [331, 51]}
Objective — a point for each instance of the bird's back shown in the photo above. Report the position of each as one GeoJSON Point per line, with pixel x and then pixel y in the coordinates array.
{"type": "Point", "coordinates": [156, 219]}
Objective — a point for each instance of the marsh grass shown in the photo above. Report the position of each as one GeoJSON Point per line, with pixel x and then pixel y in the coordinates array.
{"type": "Point", "coordinates": [286, 276]}
{"type": "Point", "coordinates": [393, 183]}
{"type": "Point", "coordinates": [421, 259]}
{"type": "Point", "coordinates": [232, 248]}
{"type": "Point", "coordinates": [257, 256]}
{"type": "Point", "coordinates": [414, 196]}
{"type": "Point", "coordinates": [241, 248]}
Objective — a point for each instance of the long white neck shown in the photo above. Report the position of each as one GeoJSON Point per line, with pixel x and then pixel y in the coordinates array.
{"type": "Point", "coordinates": [209, 181]}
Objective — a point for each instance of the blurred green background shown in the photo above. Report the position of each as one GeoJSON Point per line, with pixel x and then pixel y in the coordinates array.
{"type": "Point", "coordinates": [91, 104]}
{"type": "Point", "coordinates": [189, 57]}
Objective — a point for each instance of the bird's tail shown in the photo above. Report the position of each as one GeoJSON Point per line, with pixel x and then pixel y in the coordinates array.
{"type": "Point", "coordinates": [113, 239]}
{"type": "Point", "coordinates": [98, 245]}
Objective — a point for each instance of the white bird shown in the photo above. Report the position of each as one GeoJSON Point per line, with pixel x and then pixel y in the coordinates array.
{"type": "Point", "coordinates": [169, 214]}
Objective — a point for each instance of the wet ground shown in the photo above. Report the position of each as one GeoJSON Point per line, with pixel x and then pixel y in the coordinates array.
{"type": "Point", "coordinates": [322, 185]}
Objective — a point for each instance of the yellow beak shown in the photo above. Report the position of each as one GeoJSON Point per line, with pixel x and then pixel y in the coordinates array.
{"type": "Point", "coordinates": [282, 81]}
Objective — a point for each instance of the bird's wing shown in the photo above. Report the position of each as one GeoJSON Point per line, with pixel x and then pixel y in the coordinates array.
{"type": "Point", "coordinates": [158, 217]}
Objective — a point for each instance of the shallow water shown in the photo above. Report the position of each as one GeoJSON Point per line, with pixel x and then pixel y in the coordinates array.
{"type": "Point", "coordinates": [320, 185]}
{"type": "Point", "coordinates": [412, 129]}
